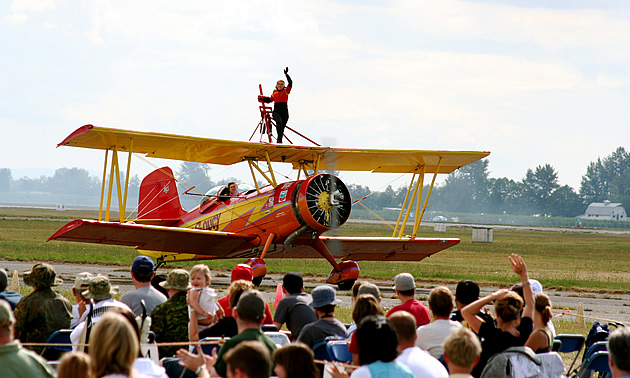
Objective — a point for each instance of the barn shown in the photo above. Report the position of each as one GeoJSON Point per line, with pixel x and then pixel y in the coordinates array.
{"type": "Point", "coordinates": [606, 210]}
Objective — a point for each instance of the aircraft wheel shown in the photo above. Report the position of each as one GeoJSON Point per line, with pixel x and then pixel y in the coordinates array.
{"type": "Point", "coordinates": [345, 285]}
{"type": "Point", "coordinates": [257, 280]}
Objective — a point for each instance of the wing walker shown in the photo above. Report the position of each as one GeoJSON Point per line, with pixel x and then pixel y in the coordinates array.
{"type": "Point", "coordinates": [278, 220]}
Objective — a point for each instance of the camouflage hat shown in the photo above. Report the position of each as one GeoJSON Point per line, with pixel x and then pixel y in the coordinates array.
{"type": "Point", "coordinates": [100, 289]}
{"type": "Point", "coordinates": [177, 279]}
{"type": "Point", "coordinates": [6, 314]}
{"type": "Point", "coordinates": [82, 281]}
{"type": "Point", "coordinates": [42, 275]}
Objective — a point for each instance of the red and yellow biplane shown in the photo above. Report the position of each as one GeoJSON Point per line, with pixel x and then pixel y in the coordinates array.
{"type": "Point", "coordinates": [278, 220]}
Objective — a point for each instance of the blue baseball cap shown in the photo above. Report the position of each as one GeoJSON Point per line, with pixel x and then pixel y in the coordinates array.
{"type": "Point", "coordinates": [142, 262]}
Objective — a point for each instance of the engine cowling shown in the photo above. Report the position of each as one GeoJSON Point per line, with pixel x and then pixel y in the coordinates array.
{"type": "Point", "coordinates": [324, 202]}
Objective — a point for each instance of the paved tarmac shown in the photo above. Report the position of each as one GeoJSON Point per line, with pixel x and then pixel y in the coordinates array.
{"type": "Point", "coordinates": [605, 306]}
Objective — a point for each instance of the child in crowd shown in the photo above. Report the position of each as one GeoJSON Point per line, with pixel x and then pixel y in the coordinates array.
{"type": "Point", "coordinates": [202, 299]}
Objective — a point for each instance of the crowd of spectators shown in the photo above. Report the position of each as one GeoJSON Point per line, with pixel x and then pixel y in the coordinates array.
{"type": "Point", "coordinates": [454, 337]}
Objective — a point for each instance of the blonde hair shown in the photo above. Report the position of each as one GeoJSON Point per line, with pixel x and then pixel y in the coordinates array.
{"type": "Point", "coordinates": [509, 307]}
{"type": "Point", "coordinates": [203, 268]}
{"type": "Point", "coordinates": [462, 347]}
{"type": "Point", "coordinates": [74, 364]}
{"type": "Point", "coordinates": [543, 305]}
{"type": "Point", "coordinates": [235, 290]}
{"type": "Point", "coordinates": [113, 345]}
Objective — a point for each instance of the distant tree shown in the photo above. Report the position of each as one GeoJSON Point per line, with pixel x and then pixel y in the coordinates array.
{"type": "Point", "coordinates": [5, 179]}
{"type": "Point", "coordinates": [358, 192]}
{"type": "Point", "coordinates": [565, 202]}
{"type": "Point", "coordinates": [466, 189]}
{"type": "Point", "coordinates": [538, 185]}
{"type": "Point", "coordinates": [72, 181]}
{"type": "Point", "coordinates": [603, 178]}
{"type": "Point", "coordinates": [194, 174]}
{"type": "Point", "coordinates": [27, 184]}
{"type": "Point", "coordinates": [504, 196]}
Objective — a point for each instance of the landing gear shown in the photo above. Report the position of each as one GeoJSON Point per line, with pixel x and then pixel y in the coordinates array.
{"type": "Point", "coordinates": [345, 277]}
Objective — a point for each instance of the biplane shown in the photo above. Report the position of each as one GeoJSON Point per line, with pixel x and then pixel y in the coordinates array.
{"type": "Point", "coordinates": [275, 220]}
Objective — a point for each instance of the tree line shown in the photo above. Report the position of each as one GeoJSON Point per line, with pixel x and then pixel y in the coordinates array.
{"type": "Point", "coordinates": [467, 190]}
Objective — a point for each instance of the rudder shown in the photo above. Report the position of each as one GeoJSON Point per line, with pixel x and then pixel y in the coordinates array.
{"type": "Point", "coordinates": [158, 196]}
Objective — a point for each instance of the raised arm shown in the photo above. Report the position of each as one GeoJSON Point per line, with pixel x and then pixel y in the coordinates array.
{"type": "Point", "coordinates": [469, 313]}
{"type": "Point", "coordinates": [289, 81]}
{"type": "Point", "coordinates": [519, 267]}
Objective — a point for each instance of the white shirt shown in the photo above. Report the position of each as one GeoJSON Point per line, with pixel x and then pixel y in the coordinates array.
{"type": "Point", "coordinates": [422, 363]}
{"type": "Point", "coordinates": [431, 336]}
{"type": "Point", "coordinates": [75, 336]}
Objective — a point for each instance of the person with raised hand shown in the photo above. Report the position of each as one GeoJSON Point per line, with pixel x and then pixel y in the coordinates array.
{"type": "Point", "coordinates": [512, 328]}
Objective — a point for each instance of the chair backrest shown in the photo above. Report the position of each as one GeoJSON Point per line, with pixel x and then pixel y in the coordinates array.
{"type": "Point", "coordinates": [269, 328]}
{"type": "Point", "coordinates": [280, 338]}
{"type": "Point", "coordinates": [215, 343]}
{"type": "Point", "coordinates": [557, 344]}
{"type": "Point", "coordinates": [600, 346]}
{"type": "Point", "coordinates": [598, 362]}
{"type": "Point", "coordinates": [61, 336]}
{"type": "Point", "coordinates": [338, 351]}
{"type": "Point", "coordinates": [321, 352]}
{"type": "Point", "coordinates": [570, 343]}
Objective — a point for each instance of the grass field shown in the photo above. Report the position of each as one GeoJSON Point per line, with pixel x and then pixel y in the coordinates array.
{"type": "Point", "coordinates": [562, 261]}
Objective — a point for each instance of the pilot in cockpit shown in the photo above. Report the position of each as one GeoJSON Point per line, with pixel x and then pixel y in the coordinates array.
{"type": "Point", "coordinates": [227, 192]}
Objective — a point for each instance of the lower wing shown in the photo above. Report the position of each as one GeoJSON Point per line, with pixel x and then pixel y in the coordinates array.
{"type": "Point", "coordinates": [371, 248]}
{"type": "Point", "coordinates": [188, 241]}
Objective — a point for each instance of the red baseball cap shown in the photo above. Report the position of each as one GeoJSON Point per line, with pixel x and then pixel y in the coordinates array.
{"type": "Point", "coordinates": [242, 272]}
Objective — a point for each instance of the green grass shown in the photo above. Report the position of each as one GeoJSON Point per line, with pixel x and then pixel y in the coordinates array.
{"type": "Point", "coordinates": [561, 261]}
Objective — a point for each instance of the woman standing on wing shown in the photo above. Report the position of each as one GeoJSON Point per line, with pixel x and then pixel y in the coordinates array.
{"type": "Point", "coordinates": [280, 110]}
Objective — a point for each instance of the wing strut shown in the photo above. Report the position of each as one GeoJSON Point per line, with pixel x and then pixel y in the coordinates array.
{"type": "Point", "coordinates": [418, 178]}
{"type": "Point", "coordinates": [114, 174]}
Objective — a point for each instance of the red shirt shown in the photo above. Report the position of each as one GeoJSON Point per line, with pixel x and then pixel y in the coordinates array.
{"type": "Point", "coordinates": [281, 96]}
{"type": "Point", "coordinates": [415, 308]}
{"type": "Point", "coordinates": [268, 319]}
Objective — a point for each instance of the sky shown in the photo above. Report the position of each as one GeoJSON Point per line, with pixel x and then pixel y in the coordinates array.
{"type": "Point", "coordinates": [533, 82]}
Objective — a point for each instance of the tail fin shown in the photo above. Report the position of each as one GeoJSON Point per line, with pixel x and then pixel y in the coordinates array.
{"type": "Point", "coordinates": [158, 196]}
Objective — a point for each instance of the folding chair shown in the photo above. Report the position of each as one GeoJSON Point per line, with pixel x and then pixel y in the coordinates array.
{"type": "Point", "coordinates": [61, 336]}
{"type": "Point", "coordinates": [600, 346]}
{"type": "Point", "coordinates": [338, 351]}
{"type": "Point", "coordinates": [570, 344]}
{"type": "Point", "coordinates": [598, 362]}
{"type": "Point", "coordinates": [278, 338]}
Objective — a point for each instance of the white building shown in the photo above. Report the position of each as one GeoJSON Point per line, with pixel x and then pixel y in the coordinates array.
{"type": "Point", "coordinates": [606, 210]}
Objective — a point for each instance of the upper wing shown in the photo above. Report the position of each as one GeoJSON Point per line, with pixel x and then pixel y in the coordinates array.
{"type": "Point", "coordinates": [372, 248]}
{"type": "Point", "coordinates": [225, 152]}
{"type": "Point", "coordinates": [210, 244]}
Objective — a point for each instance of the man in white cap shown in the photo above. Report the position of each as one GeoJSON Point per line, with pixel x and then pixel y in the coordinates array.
{"type": "Point", "coordinates": [405, 287]}
{"type": "Point", "coordinates": [324, 303]}
{"type": "Point", "coordinates": [15, 360]}
{"type": "Point", "coordinates": [99, 289]}
{"type": "Point", "coordinates": [142, 272]}
{"type": "Point", "coordinates": [81, 283]}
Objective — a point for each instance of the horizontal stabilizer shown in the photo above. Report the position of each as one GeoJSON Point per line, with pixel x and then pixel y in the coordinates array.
{"type": "Point", "coordinates": [214, 244]}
